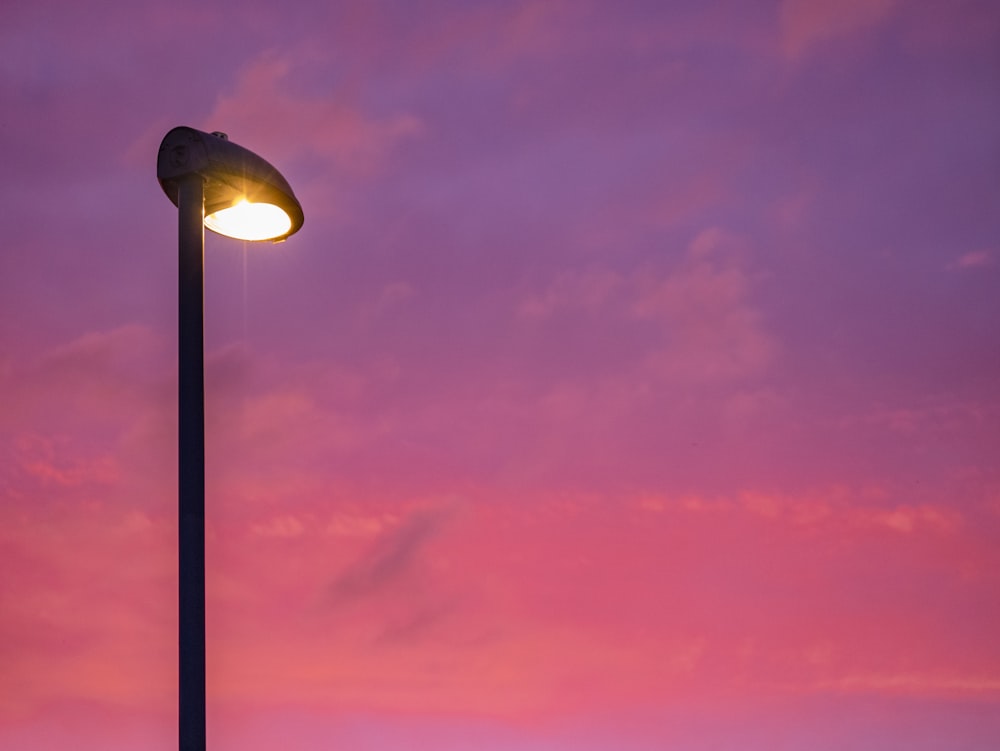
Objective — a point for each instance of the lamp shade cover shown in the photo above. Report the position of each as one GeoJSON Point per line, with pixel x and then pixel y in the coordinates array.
{"type": "Point", "coordinates": [233, 177]}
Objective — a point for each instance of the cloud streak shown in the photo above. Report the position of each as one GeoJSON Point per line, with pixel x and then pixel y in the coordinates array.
{"type": "Point", "coordinates": [693, 305]}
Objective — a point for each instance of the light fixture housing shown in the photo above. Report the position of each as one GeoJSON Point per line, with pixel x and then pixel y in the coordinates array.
{"type": "Point", "coordinates": [245, 197]}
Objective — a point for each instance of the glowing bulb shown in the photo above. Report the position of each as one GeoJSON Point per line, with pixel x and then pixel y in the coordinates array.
{"type": "Point", "coordinates": [250, 221]}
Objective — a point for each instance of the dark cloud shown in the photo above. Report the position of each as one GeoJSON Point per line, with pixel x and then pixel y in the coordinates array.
{"type": "Point", "coordinates": [390, 559]}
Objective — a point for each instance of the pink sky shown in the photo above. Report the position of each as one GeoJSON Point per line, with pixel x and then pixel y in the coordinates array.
{"type": "Point", "coordinates": [632, 384]}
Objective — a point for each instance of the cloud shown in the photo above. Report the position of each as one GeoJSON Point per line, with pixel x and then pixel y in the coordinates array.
{"type": "Point", "coordinates": [835, 511]}
{"type": "Point", "coordinates": [109, 375]}
{"type": "Point", "coordinates": [910, 519]}
{"type": "Point", "coordinates": [807, 23]}
{"type": "Point", "coordinates": [698, 316]}
{"type": "Point", "coordinates": [290, 125]}
{"type": "Point", "coordinates": [84, 613]}
{"type": "Point", "coordinates": [710, 328]}
{"type": "Point", "coordinates": [973, 260]}
{"type": "Point", "coordinates": [286, 526]}
{"type": "Point", "coordinates": [82, 416]}
{"type": "Point", "coordinates": [359, 525]}
{"type": "Point", "coordinates": [940, 683]}
{"type": "Point", "coordinates": [573, 289]}
{"type": "Point", "coordinates": [390, 559]}
{"type": "Point", "coordinates": [71, 473]}
{"type": "Point", "coordinates": [392, 297]}
{"type": "Point", "coordinates": [859, 515]}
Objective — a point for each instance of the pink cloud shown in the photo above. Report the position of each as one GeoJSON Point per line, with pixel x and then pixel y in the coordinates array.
{"type": "Point", "coordinates": [586, 289]}
{"type": "Point", "coordinates": [708, 326]}
{"type": "Point", "coordinates": [500, 599]}
{"type": "Point", "coordinates": [330, 125]}
{"type": "Point", "coordinates": [974, 259]}
{"type": "Point", "coordinates": [807, 23]}
{"type": "Point", "coordinates": [509, 589]}
{"type": "Point", "coordinates": [631, 385]}
{"type": "Point", "coordinates": [42, 460]}
{"type": "Point", "coordinates": [83, 603]}
{"type": "Point", "coordinates": [711, 328]}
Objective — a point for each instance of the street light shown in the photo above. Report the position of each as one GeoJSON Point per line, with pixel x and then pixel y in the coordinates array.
{"type": "Point", "coordinates": [216, 184]}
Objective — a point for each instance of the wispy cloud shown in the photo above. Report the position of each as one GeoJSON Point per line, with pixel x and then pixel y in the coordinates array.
{"type": "Point", "coordinates": [974, 259]}
{"type": "Point", "coordinates": [807, 23]}
{"type": "Point", "coordinates": [390, 559]}
{"type": "Point", "coordinates": [329, 125]}
{"type": "Point", "coordinates": [706, 325]}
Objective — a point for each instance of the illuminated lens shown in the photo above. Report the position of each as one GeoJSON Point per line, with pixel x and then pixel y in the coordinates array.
{"type": "Point", "coordinates": [250, 221]}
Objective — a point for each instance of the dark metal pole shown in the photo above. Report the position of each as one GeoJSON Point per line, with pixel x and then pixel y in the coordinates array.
{"type": "Point", "coordinates": [191, 463]}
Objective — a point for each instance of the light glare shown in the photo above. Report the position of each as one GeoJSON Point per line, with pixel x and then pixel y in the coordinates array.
{"type": "Point", "coordinates": [250, 221]}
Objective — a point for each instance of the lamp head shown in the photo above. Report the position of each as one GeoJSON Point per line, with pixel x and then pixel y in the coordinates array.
{"type": "Point", "coordinates": [245, 197]}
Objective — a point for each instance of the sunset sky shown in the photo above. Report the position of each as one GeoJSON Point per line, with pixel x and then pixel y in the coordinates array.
{"type": "Point", "coordinates": [633, 384]}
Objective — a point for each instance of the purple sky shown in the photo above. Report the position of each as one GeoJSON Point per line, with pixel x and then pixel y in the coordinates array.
{"type": "Point", "coordinates": [632, 384]}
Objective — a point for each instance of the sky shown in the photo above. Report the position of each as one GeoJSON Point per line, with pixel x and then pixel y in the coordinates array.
{"type": "Point", "coordinates": [632, 383]}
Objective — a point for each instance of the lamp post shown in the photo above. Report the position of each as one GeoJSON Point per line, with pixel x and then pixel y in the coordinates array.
{"type": "Point", "coordinates": [216, 184]}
